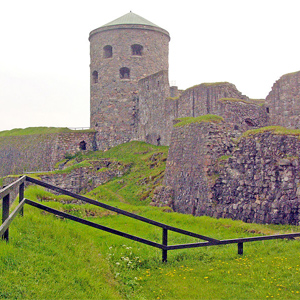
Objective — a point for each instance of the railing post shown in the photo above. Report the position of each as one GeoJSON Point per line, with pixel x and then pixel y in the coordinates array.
{"type": "Point", "coordinates": [240, 248]}
{"type": "Point", "coordinates": [165, 243]}
{"type": "Point", "coordinates": [21, 197]}
{"type": "Point", "coordinates": [5, 214]}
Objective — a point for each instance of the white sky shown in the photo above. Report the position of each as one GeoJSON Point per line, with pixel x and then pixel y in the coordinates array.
{"type": "Point", "coordinates": [44, 50]}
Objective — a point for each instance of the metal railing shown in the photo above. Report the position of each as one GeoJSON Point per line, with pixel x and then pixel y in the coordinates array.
{"type": "Point", "coordinates": [19, 184]}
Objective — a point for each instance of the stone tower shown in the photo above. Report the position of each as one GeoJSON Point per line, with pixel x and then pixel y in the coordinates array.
{"type": "Point", "coordinates": [122, 52]}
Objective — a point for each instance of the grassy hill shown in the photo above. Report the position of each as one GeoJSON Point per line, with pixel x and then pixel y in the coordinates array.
{"type": "Point", "coordinates": [52, 258]}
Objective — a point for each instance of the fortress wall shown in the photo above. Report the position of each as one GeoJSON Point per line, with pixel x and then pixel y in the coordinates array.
{"type": "Point", "coordinates": [194, 149]}
{"type": "Point", "coordinates": [203, 99]}
{"type": "Point", "coordinates": [153, 91]}
{"type": "Point", "coordinates": [241, 114]}
{"type": "Point", "coordinates": [257, 180]}
{"type": "Point", "coordinates": [260, 181]}
{"type": "Point", "coordinates": [283, 102]}
{"type": "Point", "coordinates": [171, 113]}
{"type": "Point", "coordinates": [26, 153]}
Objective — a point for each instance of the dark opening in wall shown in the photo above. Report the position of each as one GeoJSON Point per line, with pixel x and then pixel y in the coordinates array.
{"type": "Point", "coordinates": [158, 140]}
{"type": "Point", "coordinates": [236, 127]}
{"type": "Point", "coordinates": [250, 122]}
{"type": "Point", "coordinates": [95, 77]}
{"type": "Point", "coordinates": [82, 145]}
{"type": "Point", "coordinates": [267, 110]}
{"type": "Point", "coordinates": [107, 51]}
{"type": "Point", "coordinates": [124, 73]}
{"type": "Point", "coordinates": [137, 49]}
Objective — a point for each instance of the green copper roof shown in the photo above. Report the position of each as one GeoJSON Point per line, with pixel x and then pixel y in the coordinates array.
{"type": "Point", "coordinates": [130, 18]}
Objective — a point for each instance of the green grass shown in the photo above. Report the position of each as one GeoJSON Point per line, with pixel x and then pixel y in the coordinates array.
{"type": "Point", "coordinates": [52, 258]}
{"type": "Point", "coordinates": [37, 130]}
{"type": "Point", "coordinates": [279, 130]}
{"type": "Point", "coordinates": [147, 164]}
{"type": "Point", "coordinates": [206, 118]}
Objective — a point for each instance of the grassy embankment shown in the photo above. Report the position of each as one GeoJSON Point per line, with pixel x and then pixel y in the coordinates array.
{"type": "Point", "coordinates": [51, 258]}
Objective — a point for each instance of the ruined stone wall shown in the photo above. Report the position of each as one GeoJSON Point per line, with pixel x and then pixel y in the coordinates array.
{"type": "Point", "coordinates": [86, 178]}
{"type": "Point", "coordinates": [242, 114]}
{"type": "Point", "coordinates": [26, 153]}
{"type": "Point", "coordinates": [194, 149]}
{"type": "Point", "coordinates": [260, 182]}
{"type": "Point", "coordinates": [153, 92]}
{"type": "Point", "coordinates": [283, 102]}
{"type": "Point", "coordinates": [202, 99]}
{"type": "Point", "coordinates": [114, 100]}
{"type": "Point", "coordinates": [256, 180]}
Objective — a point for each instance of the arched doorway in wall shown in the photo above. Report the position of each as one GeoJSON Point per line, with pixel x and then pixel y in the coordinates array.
{"type": "Point", "coordinates": [82, 145]}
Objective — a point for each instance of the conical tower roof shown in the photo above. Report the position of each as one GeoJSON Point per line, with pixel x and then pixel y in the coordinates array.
{"type": "Point", "coordinates": [132, 21]}
{"type": "Point", "coordinates": [130, 18]}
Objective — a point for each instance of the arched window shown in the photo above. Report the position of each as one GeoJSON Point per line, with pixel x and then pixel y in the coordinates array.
{"type": "Point", "coordinates": [95, 77]}
{"type": "Point", "coordinates": [82, 145]}
{"type": "Point", "coordinates": [107, 51]}
{"type": "Point", "coordinates": [137, 49]}
{"type": "Point", "coordinates": [124, 73]}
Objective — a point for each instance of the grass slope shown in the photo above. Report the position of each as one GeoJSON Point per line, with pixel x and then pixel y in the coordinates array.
{"type": "Point", "coordinates": [52, 258]}
{"type": "Point", "coordinates": [36, 130]}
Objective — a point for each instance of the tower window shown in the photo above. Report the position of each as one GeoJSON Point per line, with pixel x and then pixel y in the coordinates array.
{"type": "Point", "coordinates": [267, 110]}
{"type": "Point", "coordinates": [107, 51]}
{"type": "Point", "coordinates": [124, 73]}
{"type": "Point", "coordinates": [137, 49]}
{"type": "Point", "coordinates": [95, 77]}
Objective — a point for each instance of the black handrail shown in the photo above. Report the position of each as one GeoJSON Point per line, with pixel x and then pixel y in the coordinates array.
{"type": "Point", "coordinates": [19, 183]}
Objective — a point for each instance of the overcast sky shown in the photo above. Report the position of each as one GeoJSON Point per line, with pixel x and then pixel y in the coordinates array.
{"type": "Point", "coordinates": [44, 53]}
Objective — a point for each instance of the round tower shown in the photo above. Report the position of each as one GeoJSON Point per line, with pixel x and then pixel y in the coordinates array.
{"type": "Point", "coordinates": [122, 52]}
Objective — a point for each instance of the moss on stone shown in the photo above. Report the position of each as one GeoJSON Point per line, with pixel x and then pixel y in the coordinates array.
{"type": "Point", "coordinates": [207, 84]}
{"type": "Point", "coordinates": [224, 157]}
{"type": "Point", "coordinates": [206, 118]}
{"type": "Point", "coordinates": [279, 130]}
{"type": "Point", "coordinates": [173, 98]}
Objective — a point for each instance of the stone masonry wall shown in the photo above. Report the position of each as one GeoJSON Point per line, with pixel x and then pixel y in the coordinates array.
{"type": "Point", "coordinates": [153, 92]}
{"type": "Point", "coordinates": [194, 149]}
{"type": "Point", "coordinates": [283, 102]}
{"type": "Point", "coordinates": [202, 99]}
{"type": "Point", "coordinates": [19, 154]}
{"type": "Point", "coordinates": [242, 114]}
{"type": "Point", "coordinates": [257, 180]}
{"type": "Point", "coordinates": [114, 100]}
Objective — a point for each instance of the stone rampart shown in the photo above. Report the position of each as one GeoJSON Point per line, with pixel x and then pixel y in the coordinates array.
{"type": "Point", "coordinates": [203, 99]}
{"type": "Point", "coordinates": [283, 102]}
{"type": "Point", "coordinates": [256, 180]}
{"type": "Point", "coordinates": [26, 153]}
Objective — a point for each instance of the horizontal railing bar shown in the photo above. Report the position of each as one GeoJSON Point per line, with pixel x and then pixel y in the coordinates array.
{"type": "Point", "coordinates": [91, 224]}
{"type": "Point", "coordinates": [8, 189]}
{"type": "Point", "coordinates": [235, 241]}
{"type": "Point", "coordinates": [11, 217]}
{"type": "Point", "coordinates": [120, 211]}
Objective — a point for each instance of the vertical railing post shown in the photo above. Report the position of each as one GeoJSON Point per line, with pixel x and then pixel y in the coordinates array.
{"type": "Point", "coordinates": [240, 248]}
{"type": "Point", "coordinates": [21, 197]}
{"type": "Point", "coordinates": [5, 214]}
{"type": "Point", "coordinates": [165, 243]}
